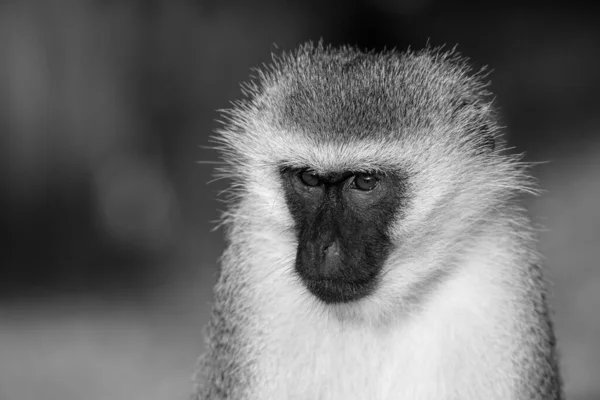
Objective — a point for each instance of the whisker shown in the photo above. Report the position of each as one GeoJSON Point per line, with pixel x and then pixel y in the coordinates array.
{"type": "Point", "coordinates": [211, 162]}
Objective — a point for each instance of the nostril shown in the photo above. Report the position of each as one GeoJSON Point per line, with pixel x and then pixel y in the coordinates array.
{"type": "Point", "coordinates": [331, 250]}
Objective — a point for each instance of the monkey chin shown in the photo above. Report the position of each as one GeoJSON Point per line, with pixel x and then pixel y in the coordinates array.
{"type": "Point", "coordinates": [351, 303]}
{"type": "Point", "coordinates": [336, 291]}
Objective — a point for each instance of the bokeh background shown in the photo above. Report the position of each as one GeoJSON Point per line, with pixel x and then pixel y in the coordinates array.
{"type": "Point", "coordinates": [108, 258]}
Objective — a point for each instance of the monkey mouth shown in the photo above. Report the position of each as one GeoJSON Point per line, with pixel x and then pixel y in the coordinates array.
{"type": "Point", "coordinates": [332, 291]}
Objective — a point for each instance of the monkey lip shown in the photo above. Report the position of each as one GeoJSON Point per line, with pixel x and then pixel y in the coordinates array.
{"type": "Point", "coordinates": [332, 291]}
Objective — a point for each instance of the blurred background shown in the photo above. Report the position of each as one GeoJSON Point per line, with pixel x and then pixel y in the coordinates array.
{"type": "Point", "coordinates": [108, 258]}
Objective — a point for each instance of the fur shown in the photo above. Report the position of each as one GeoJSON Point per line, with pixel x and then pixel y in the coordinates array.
{"type": "Point", "coordinates": [460, 312]}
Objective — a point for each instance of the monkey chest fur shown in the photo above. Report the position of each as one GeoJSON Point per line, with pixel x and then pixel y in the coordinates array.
{"type": "Point", "coordinates": [443, 352]}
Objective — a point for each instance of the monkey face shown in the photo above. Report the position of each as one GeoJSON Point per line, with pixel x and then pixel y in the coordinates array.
{"type": "Point", "coordinates": [342, 222]}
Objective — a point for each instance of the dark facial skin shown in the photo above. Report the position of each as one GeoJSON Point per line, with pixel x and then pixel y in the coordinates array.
{"type": "Point", "coordinates": [342, 222]}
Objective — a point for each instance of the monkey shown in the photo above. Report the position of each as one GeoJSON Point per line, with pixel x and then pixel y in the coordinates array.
{"type": "Point", "coordinates": [376, 245]}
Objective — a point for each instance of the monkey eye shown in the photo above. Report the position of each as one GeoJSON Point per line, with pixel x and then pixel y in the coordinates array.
{"type": "Point", "coordinates": [309, 179]}
{"type": "Point", "coordinates": [365, 182]}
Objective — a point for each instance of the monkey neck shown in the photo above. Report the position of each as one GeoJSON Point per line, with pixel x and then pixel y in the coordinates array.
{"type": "Point", "coordinates": [301, 349]}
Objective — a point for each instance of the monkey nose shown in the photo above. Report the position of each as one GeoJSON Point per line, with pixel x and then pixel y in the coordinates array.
{"type": "Point", "coordinates": [331, 259]}
{"type": "Point", "coordinates": [331, 250]}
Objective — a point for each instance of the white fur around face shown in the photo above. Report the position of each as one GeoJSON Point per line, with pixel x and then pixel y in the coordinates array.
{"type": "Point", "coordinates": [312, 353]}
{"type": "Point", "coordinates": [379, 348]}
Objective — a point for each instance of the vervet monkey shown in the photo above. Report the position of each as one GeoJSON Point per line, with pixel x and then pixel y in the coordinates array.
{"type": "Point", "coordinates": [375, 245]}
